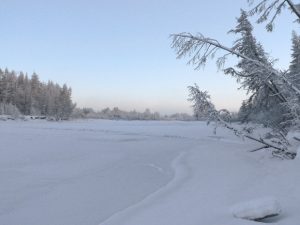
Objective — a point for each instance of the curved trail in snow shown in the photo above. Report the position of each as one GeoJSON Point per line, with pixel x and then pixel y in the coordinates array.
{"type": "Point", "coordinates": [180, 171]}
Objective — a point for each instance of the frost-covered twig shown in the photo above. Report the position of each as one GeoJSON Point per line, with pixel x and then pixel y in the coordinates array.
{"type": "Point", "coordinates": [265, 8]}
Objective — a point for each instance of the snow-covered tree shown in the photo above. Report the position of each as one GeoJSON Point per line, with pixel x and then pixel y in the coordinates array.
{"type": "Point", "coordinates": [294, 69]}
{"type": "Point", "coordinates": [264, 103]}
{"type": "Point", "coordinates": [270, 87]}
{"type": "Point", "coordinates": [65, 105]}
{"type": "Point", "coordinates": [201, 103]}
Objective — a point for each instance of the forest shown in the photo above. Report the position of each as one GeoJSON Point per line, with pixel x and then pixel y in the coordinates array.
{"type": "Point", "coordinates": [24, 95]}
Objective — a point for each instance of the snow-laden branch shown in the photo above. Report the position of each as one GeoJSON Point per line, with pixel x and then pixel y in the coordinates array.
{"type": "Point", "coordinates": [266, 7]}
{"type": "Point", "coordinates": [202, 104]}
{"type": "Point", "coordinates": [282, 151]}
{"type": "Point", "coordinates": [192, 46]}
{"type": "Point", "coordinates": [270, 84]}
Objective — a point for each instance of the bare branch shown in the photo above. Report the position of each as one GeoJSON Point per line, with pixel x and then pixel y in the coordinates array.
{"type": "Point", "coordinates": [260, 148]}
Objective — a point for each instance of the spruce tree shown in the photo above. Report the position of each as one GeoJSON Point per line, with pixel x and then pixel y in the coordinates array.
{"type": "Point", "coordinates": [294, 69]}
{"type": "Point", "coordinates": [264, 96]}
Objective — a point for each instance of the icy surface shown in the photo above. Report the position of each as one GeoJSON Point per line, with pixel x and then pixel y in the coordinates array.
{"type": "Point", "coordinates": [257, 209]}
{"type": "Point", "coordinates": [135, 173]}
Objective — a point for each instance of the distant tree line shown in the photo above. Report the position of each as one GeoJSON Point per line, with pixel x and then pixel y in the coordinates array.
{"type": "Point", "coordinates": [21, 94]}
{"type": "Point", "coordinates": [118, 114]}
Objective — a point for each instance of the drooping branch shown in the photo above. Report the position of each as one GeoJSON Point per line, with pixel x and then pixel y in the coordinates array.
{"type": "Point", "coordinates": [222, 118]}
{"type": "Point", "coordinates": [293, 8]}
{"type": "Point", "coordinates": [190, 45]}
{"type": "Point", "coordinates": [262, 141]}
{"type": "Point", "coordinates": [277, 12]}
{"type": "Point", "coordinates": [265, 9]}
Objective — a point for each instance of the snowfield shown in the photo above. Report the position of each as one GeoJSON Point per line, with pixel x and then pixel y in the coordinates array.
{"type": "Point", "coordinates": [100, 172]}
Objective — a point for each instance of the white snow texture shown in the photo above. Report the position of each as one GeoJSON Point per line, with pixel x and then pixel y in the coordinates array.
{"type": "Point", "coordinates": [99, 172]}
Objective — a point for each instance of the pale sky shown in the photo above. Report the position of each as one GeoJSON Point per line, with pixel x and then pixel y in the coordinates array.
{"type": "Point", "coordinates": [117, 52]}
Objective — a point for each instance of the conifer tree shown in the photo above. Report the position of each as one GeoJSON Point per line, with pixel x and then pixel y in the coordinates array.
{"type": "Point", "coordinates": [263, 90]}
{"type": "Point", "coordinates": [202, 105]}
{"type": "Point", "coordinates": [294, 69]}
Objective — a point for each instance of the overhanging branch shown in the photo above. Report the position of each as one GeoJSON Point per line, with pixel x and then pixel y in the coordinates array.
{"type": "Point", "coordinates": [186, 43]}
{"type": "Point", "coordinates": [293, 8]}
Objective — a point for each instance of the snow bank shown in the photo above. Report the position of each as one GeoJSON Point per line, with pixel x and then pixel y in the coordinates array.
{"type": "Point", "coordinates": [257, 209]}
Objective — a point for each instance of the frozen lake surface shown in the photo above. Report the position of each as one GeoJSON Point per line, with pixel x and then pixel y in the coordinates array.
{"type": "Point", "coordinates": [134, 173]}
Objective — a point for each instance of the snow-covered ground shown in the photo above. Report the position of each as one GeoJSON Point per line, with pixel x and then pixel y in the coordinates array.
{"type": "Point", "coordinates": [136, 173]}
